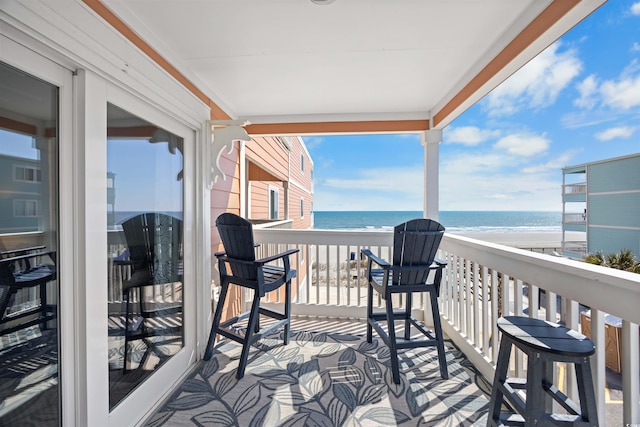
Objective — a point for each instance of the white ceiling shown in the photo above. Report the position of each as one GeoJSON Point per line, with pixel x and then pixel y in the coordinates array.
{"type": "Point", "coordinates": [287, 61]}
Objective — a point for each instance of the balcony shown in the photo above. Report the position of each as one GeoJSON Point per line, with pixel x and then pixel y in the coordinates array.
{"type": "Point", "coordinates": [482, 282]}
{"type": "Point", "coordinates": [579, 188]}
{"type": "Point", "coordinates": [574, 218]}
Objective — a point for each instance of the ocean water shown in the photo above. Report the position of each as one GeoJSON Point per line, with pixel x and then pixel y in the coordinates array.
{"type": "Point", "coordinates": [454, 221]}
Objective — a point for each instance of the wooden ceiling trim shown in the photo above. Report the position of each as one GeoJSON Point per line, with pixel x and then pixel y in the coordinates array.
{"type": "Point", "coordinates": [313, 128]}
{"type": "Point", "coordinates": [105, 13]}
{"type": "Point", "coordinates": [17, 126]}
{"type": "Point", "coordinates": [552, 14]}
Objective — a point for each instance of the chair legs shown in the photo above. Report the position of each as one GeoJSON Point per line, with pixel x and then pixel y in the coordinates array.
{"type": "Point", "coordinates": [370, 314]}
{"type": "Point", "coordinates": [253, 325]}
{"type": "Point", "coordinates": [437, 329]}
{"type": "Point", "coordinates": [216, 322]}
{"type": "Point", "coordinates": [395, 368]}
{"type": "Point", "coordinates": [131, 328]}
{"type": "Point", "coordinates": [435, 337]}
{"type": "Point", "coordinates": [127, 298]}
{"type": "Point", "coordinates": [251, 330]}
{"type": "Point", "coordinates": [287, 312]}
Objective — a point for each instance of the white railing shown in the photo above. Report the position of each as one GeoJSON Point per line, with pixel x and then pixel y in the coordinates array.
{"type": "Point", "coordinates": [574, 218]}
{"type": "Point", "coordinates": [270, 223]}
{"type": "Point", "coordinates": [579, 188]}
{"type": "Point", "coordinates": [575, 247]}
{"type": "Point", "coordinates": [482, 282]}
{"type": "Point", "coordinates": [330, 280]}
{"type": "Point", "coordinates": [516, 277]}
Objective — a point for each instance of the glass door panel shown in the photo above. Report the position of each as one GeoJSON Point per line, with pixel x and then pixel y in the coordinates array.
{"type": "Point", "coordinates": [29, 309]}
{"type": "Point", "coordinates": [145, 212]}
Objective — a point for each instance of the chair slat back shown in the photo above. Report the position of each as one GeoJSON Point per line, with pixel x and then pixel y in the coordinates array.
{"type": "Point", "coordinates": [154, 241]}
{"type": "Point", "coordinates": [415, 243]}
{"type": "Point", "coordinates": [236, 234]}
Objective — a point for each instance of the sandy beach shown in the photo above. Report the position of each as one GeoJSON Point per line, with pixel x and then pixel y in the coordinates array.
{"type": "Point", "coordinates": [535, 241]}
{"type": "Point", "coordinates": [520, 240]}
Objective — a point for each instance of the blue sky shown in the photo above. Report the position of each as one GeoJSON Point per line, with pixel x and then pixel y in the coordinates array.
{"type": "Point", "coordinates": [577, 102]}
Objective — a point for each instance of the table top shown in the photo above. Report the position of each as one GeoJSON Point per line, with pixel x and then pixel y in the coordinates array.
{"type": "Point", "coordinates": [546, 336]}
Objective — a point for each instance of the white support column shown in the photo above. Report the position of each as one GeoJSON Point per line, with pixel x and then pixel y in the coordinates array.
{"type": "Point", "coordinates": [285, 185]}
{"type": "Point", "coordinates": [431, 141]}
{"type": "Point", "coordinates": [244, 189]}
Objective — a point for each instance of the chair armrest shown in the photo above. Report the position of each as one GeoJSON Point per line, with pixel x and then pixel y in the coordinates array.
{"type": "Point", "coordinates": [277, 256]}
{"type": "Point", "coordinates": [222, 256]}
{"type": "Point", "coordinates": [23, 257]}
{"type": "Point", "coordinates": [440, 263]}
{"type": "Point", "coordinates": [219, 254]}
{"type": "Point", "coordinates": [23, 251]}
{"type": "Point", "coordinates": [382, 263]}
{"type": "Point", "coordinates": [418, 267]}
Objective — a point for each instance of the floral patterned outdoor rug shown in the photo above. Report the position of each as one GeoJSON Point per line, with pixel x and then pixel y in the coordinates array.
{"type": "Point", "coordinates": [327, 379]}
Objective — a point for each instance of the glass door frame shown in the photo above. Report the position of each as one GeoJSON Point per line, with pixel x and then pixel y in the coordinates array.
{"type": "Point", "coordinates": [83, 98]}
{"type": "Point", "coordinates": [17, 55]}
{"type": "Point", "coordinates": [137, 403]}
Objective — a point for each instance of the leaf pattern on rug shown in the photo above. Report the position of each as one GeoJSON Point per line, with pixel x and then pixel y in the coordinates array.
{"type": "Point", "coordinates": [327, 379]}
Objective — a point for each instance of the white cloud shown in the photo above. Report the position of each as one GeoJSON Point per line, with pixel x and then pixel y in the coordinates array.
{"type": "Point", "coordinates": [468, 135]}
{"type": "Point", "coordinates": [588, 89]}
{"type": "Point", "coordinates": [616, 132]}
{"type": "Point", "coordinates": [537, 84]}
{"type": "Point", "coordinates": [396, 188]}
{"type": "Point", "coordinates": [635, 47]}
{"type": "Point", "coordinates": [623, 93]}
{"type": "Point", "coordinates": [523, 144]}
{"type": "Point", "coordinates": [493, 180]}
{"type": "Point", "coordinates": [490, 182]}
{"type": "Point", "coordinates": [312, 142]}
{"type": "Point", "coordinates": [380, 179]}
{"type": "Point", "coordinates": [635, 8]}
{"type": "Point", "coordinates": [553, 166]}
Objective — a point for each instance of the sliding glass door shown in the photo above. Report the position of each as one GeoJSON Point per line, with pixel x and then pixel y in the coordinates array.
{"type": "Point", "coordinates": [29, 250]}
{"type": "Point", "coordinates": [145, 253]}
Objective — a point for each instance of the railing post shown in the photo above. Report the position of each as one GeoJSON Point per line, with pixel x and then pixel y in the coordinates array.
{"type": "Point", "coordinates": [630, 373]}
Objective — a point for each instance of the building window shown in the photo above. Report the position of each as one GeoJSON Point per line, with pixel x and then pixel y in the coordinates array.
{"type": "Point", "coordinates": [273, 203]}
{"type": "Point", "coordinates": [302, 162]}
{"type": "Point", "coordinates": [25, 208]}
{"type": "Point", "coordinates": [27, 174]}
{"type": "Point", "coordinates": [301, 208]}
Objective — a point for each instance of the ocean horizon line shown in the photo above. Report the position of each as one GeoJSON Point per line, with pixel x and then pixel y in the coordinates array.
{"type": "Point", "coordinates": [452, 210]}
{"type": "Point", "coordinates": [461, 222]}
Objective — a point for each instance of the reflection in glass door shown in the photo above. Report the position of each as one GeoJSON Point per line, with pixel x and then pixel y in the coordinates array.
{"type": "Point", "coordinates": [29, 339]}
{"type": "Point", "coordinates": [145, 249]}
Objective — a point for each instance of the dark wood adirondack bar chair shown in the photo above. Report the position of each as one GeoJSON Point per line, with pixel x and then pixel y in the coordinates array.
{"type": "Point", "coordinates": [154, 241]}
{"type": "Point", "coordinates": [246, 271]}
{"type": "Point", "coordinates": [415, 244]}
{"type": "Point", "coordinates": [22, 269]}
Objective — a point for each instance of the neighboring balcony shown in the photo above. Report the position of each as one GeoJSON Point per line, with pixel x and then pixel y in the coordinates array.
{"type": "Point", "coordinates": [574, 218]}
{"type": "Point", "coordinates": [578, 188]}
{"type": "Point", "coordinates": [574, 192]}
{"type": "Point", "coordinates": [574, 249]}
{"type": "Point", "coordinates": [574, 227]}
{"type": "Point", "coordinates": [483, 281]}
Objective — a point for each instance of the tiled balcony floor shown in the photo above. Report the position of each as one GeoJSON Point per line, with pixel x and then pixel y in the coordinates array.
{"type": "Point", "coordinates": [327, 375]}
